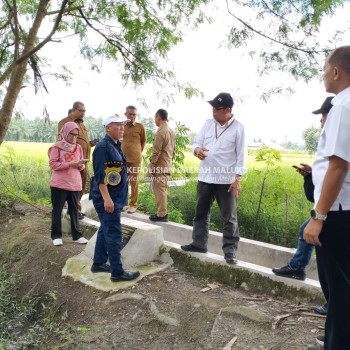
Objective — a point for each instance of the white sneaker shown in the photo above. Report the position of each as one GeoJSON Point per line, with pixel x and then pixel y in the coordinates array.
{"type": "Point", "coordinates": [131, 210]}
{"type": "Point", "coordinates": [57, 241]}
{"type": "Point", "coordinates": [125, 208]}
{"type": "Point", "coordinates": [81, 240]}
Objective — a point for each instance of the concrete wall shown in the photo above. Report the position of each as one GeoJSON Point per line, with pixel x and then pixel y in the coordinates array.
{"type": "Point", "coordinates": [250, 251]}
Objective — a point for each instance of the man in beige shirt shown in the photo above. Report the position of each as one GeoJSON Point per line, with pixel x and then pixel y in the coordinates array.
{"type": "Point", "coordinates": [160, 166]}
{"type": "Point", "coordinates": [76, 115]}
{"type": "Point", "coordinates": [133, 143]}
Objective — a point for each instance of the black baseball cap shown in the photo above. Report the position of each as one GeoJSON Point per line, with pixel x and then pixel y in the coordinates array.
{"type": "Point", "coordinates": [224, 99]}
{"type": "Point", "coordinates": [326, 106]}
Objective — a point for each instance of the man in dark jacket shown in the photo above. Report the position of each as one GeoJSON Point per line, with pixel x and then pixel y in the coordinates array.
{"type": "Point", "coordinates": [296, 266]}
{"type": "Point", "coordinates": [110, 190]}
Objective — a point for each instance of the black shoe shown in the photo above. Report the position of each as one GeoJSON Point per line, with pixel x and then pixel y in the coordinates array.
{"type": "Point", "coordinates": [193, 248]}
{"type": "Point", "coordinates": [81, 216]}
{"type": "Point", "coordinates": [286, 271]}
{"type": "Point", "coordinates": [155, 217]}
{"type": "Point", "coordinates": [320, 339]}
{"type": "Point", "coordinates": [321, 310]}
{"type": "Point", "coordinates": [231, 258]}
{"type": "Point", "coordinates": [125, 276]}
{"type": "Point", "coordinates": [100, 268]}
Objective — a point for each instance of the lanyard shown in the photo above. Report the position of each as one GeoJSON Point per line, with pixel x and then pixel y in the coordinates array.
{"type": "Point", "coordinates": [119, 152]}
{"type": "Point", "coordinates": [216, 130]}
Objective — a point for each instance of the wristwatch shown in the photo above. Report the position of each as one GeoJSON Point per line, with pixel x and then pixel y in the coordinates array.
{"type": "Point", "coordinates": [317, 216]}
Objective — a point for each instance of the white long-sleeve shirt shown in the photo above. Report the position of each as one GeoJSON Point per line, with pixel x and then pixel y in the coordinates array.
{"type": "Point", "coordinates": [227, 151]}
{"type": "Point", "coordinates": [334, 141]}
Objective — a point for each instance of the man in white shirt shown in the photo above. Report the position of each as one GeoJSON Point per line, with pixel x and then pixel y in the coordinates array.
{"type": "Point", "coordinates": [220, 145]}
{"type": "Point", "coordinates": [329, 228]}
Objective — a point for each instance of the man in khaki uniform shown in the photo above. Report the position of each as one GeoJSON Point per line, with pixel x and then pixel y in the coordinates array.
{"type": "Point", "coordinates": [133, 143]}
{"type": "Point", "coordinates": [160, 166]}
{"type": "Point", "coordinates": [76, 115]}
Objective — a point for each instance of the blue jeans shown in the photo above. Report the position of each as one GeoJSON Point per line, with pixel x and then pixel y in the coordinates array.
{"type": "Point", "coordinates": [109, 239]}
{"type": "Point", "coordinates": [302, 256]}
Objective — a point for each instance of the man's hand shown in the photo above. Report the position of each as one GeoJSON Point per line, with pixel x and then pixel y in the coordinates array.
{"type": "Point", "coordinates": [235, 187]}
{"type": "Point", "coordinates": [312, 232]}
{"type": "Point", "coordinates": [149, 172]}
{"type": "Point", "coordinates": [109, 205]}
{"type": "Point", "coordinates": [199, 153]}
{"type": "Point", "coordinates": [93, 142]}
{"type": "Point", "coordinates": [306, 169]}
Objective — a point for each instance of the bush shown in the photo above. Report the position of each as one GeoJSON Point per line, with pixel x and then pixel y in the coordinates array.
{"type": "Point", "coordinates": [283, 206]}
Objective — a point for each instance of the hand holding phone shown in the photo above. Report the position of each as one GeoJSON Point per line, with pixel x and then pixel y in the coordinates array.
{"type": "Point", "coordinates": [93, 142]}
{"type": "Point", "coordinates": [301, 171]}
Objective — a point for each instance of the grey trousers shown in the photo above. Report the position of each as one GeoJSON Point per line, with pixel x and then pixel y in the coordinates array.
{"type": "Point", "coordinates": [206, 194]}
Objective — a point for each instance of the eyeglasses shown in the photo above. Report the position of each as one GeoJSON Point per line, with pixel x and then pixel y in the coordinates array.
{"type": "Point", "coordinates": [73, 135]}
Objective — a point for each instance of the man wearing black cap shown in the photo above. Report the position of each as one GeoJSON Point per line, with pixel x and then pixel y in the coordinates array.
{"type": "Point", "coordinates": [220, 145]}
{"type": "Point", "coordinates": [324, 110]}
{"type": "Point", "coordinates": [329, 226]}
{"type": "Point", "coordinates": [296, 266]}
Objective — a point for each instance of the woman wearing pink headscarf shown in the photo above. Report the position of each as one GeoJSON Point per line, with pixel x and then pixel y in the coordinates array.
{"type": "Point", "coordinates": [66, 162]}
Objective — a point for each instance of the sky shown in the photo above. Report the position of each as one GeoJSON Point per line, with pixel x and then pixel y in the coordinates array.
{"type": "Point", "coordinates": [201, 61]}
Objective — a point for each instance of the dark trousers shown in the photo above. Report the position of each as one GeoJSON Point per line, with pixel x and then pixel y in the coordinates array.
{"type": "Point", "coordinates": [58, 198]}
{"type": "Point", "coordinates": [333, 260]}
{"type": "Point", "coordinates": [109, 239]}
{"type": "Point", "coordinates": [206, 194]}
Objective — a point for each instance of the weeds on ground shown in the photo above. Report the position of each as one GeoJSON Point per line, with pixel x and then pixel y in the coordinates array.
{"type": "Point", "coordinates": [32, 322]}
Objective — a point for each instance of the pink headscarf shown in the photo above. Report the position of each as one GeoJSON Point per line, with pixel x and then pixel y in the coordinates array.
{"type": "Point", "coordinates": [62, 142]}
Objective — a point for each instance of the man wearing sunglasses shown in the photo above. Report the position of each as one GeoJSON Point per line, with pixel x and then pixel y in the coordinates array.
{"type": "Point", "coordinates": [220, 145]}
{"type": "Point", "coordinates": [76, 115]}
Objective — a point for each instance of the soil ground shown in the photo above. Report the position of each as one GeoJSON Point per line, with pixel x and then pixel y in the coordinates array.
{"type": "Point", "coordinates": [210, 319]}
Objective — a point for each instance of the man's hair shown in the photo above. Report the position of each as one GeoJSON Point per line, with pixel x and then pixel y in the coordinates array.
{"type": "Point", "coordinates": [340, 57]}
{"type": "Point", "coordinates": [162, 113]}
{"type": "Point", "coordinates": [76, 105]}
{"type": "Point", "coordinates": [130, 107]}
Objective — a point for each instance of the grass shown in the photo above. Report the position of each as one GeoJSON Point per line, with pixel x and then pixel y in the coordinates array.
{"type": "Point", "coordinates": [24, 170]}
{"type": "Point", "coordinates": [28, 323]}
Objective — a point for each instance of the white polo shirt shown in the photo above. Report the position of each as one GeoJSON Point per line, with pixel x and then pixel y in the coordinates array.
{"type": "Point", "coordinates": [334, 141]}
{"type": "Point", "coordinates": [227, 151]}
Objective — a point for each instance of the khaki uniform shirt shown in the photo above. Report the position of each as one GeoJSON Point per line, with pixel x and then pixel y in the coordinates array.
{"type": "Point", "coordinates": [163, 150]}
{"type": "Point", "coordinates": [134, 141]}
{"type": "Point", "coordinates": [83, 138]}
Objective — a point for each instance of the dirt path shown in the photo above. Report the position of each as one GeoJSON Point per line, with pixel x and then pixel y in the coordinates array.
{"type": "Point", "coordinates": [168, 310]}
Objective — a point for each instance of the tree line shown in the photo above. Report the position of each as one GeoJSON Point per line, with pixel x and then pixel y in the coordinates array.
{"type": "Point", "coordinates": [44, 130]}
